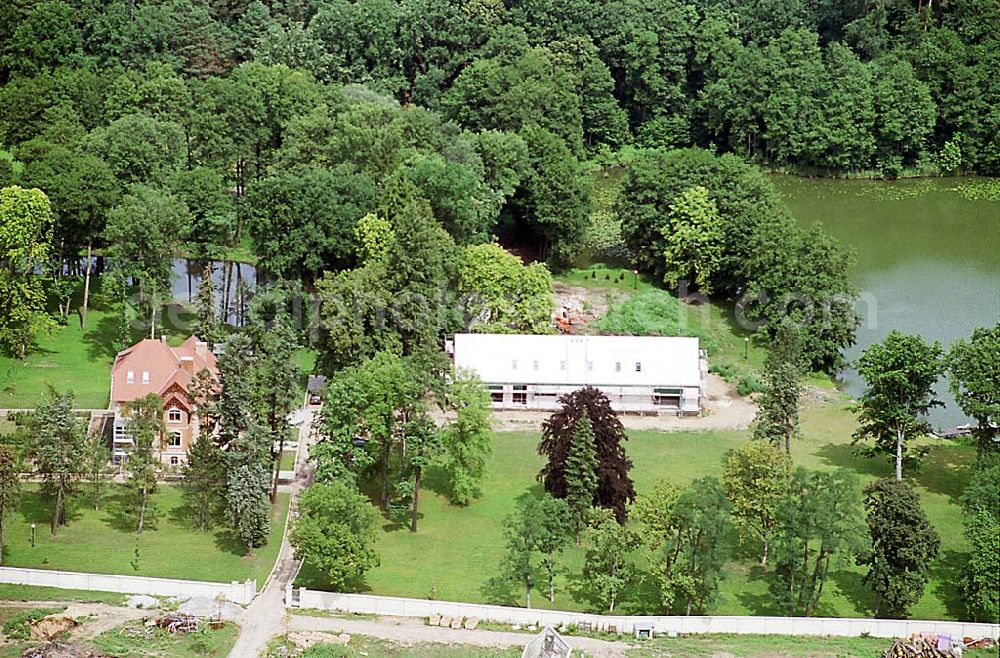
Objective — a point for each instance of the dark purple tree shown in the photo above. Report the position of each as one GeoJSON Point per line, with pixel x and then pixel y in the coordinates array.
{"type": "Point", "coordinates": [614, 487]}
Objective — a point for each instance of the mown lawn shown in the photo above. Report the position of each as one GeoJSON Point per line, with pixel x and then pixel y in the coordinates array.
{"type": "Point", "coordinates": [70, 358]}
{"type": "Point", "coordinates": [105, 541]}
{"type": "Point", "coordinates": [76, 359]}
{"type": "Point", "coordinates": [456, 550]}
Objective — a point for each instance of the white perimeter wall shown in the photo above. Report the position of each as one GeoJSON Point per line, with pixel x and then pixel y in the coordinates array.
{"type": "Point", "coordinates": [400, 607]}
{"type": "Point", "coordinates": [236, 592]}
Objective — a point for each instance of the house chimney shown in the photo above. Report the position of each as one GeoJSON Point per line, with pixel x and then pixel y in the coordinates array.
{"type": "Point", "coordinates": [187, 364]}
{"type": "Point", "coordinates": [201, 349]}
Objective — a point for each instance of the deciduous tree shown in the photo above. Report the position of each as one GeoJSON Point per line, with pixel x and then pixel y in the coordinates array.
{"type": "Point", "coordinates": [974, 375]}
{"type": "Point", "coordinates": [468, 438]}
{"type": "Point", "coordinates": [502, 294]}
{"type": "Point", "coordinates": [57, 450]}
{"type": "Point", "coordinates": [903, 546]}
{"type": "Point", "coordinates": [144, 423]}
{"type": "Point", "coordinates": [694, 239]}
{"type": "Point", "coordinates": [555, 529]}
{"type": "Point", "coordinates": [334, 533]}
{"type": "Point", "coordinates": [899, 373]}
{"type": "Point", "coordinates": [10, 490]}
{"type": "Point", "coordinates": [614, 486]}
{"type": "Point", "coordinates": [607, 568]}
{"type": "Point", "coordinates": [25, 235]}
{"type": "Point", "coordinates": [756, 479]}
{"type": "Point", "coordinates": [819, 526]}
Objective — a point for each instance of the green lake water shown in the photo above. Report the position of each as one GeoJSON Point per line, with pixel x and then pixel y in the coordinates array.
{"type": "Point", "coordinates": [928, 259]}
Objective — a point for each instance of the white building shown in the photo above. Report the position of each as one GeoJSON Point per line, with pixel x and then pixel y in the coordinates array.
{"type": "Point", "coordinates": [642, 374]}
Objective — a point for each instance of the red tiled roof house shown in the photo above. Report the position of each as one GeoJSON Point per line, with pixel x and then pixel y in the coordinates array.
{"type": "Point", "coordinates": [152, 366]}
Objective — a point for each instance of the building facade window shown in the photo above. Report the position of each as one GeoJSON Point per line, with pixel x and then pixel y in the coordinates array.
{"type": "Point", "coordinates": [618, 366]}
{"type": "Point", "coordinates": [130, 377]}
{"type": "Point", "coordinates": [175, 460]}
{"type": "Point", "coordinates": [536, 365]}
{"type": "Point", "coordinates": [145, 376]}
{"type": "Point", "coordinates": [513, 364]}
{"type": "Point", "coordinates": [638, 366]}
{"type": "Point", "coordinates": [174, 439]}
{"type": "Point", "coordinates": [174, 415]}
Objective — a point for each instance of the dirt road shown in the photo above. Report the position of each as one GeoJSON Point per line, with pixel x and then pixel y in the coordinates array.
{"type": "Point", "coordinates": [408, 631]}
{"type": "Point", "coordinates": [724, 410]}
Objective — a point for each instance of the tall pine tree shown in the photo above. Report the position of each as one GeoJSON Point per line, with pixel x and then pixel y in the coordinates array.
{"type": "Point", "coordinates": [581, 475]}
{"type": "Point", "coordinates": [206, 324]}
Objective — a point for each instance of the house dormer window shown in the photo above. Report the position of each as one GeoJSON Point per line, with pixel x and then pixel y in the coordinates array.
{"type": "Point", "coordinates": [145, 376]}
{"type": "Point", "coordinates": [174, 415]}
{"type": "Point", "coordinates": [536, 365]}
{"type": "Point", "coordinates": [513, 364]}
{"type": "Point", "coordinates": [130, 377]}
{"type": "Point", "coordinates": [618, 366]}
{"type": "Point", "coordinates": [638, 366]}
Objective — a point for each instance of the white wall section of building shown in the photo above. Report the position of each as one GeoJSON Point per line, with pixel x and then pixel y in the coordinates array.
{"type": "Point", "coordinates": [646, 374]}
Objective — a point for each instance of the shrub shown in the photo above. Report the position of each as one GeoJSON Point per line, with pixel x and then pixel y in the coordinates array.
{"type": "Point", "coordinates": [724, 370]}
{"type": "Point", "coordinates": [749, 384]}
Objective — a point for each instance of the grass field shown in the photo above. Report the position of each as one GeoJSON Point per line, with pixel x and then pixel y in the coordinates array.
{"type": "Point", "coordinates": [105, 542]}
{"type": "Point", "coordinates": [457, 549]}
{"type": "Point", "coordinates": [69, 358]}
{"type": "Point", "coordinates": [76, 359]}
{"type": "Point", "coordinates": [30, 593]}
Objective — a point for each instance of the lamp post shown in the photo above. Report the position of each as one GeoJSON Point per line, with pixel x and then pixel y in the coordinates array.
{"type": "Point", "coordinates": [746, 347]}
{"type": "Point", "coordinates": [635, 279]}
{"type": "Point", "coordinates": [32, 535]}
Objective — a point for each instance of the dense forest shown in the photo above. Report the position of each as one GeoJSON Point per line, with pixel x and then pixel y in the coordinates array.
{"type": "Point", "coordinates": [827, 85]}
{"type": "Point", "coordinates": [361, 148]}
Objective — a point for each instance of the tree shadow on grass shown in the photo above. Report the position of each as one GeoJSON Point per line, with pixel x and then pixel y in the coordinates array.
{"type": "Point", "coordinates": [642, 596]}
{"type": "Point", "coordinates": [946, 579]}
{"type": "Point", "coordinates": [435, 479]}
{"type": "Point", "coordinates": [844, 455]}
{"type": "Point", "coordinates": [760, 603]}
{"type": "Point", "coordinates": [101, 338]}
{"type": "Point", "coordinates": [38, 509]}
{"type": "Point", "coordinates": [851, 587]}
{"type": "Point", "coordinates": [123, 514]}
{"type": "Point", "coordinates": [946, 471]}
{"type": "Point", "coordinates": [227, 541]}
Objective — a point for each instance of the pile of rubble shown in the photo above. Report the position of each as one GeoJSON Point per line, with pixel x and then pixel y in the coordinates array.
{"type": "Point", "coordinates": [178, 623]}
{"type": "Point", "coordinates": [61, 650]}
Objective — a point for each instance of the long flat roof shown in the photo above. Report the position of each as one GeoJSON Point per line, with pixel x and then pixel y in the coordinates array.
{"type": "Point", "coordinates": [580, 360]}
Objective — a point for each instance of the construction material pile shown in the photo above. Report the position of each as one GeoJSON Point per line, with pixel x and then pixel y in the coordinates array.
{"type": "Point", "coordinates": [925, 646]}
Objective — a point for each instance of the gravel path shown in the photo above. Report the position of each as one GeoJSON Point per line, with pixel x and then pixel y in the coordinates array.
{"type": "Point", "coordinates": [265, 617]}
{"type": "Point", "coordinates": [407, 631]}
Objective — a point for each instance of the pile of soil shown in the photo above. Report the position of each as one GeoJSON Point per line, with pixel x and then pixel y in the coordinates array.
{"type": "Point", "coordinates": [51, 627]}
